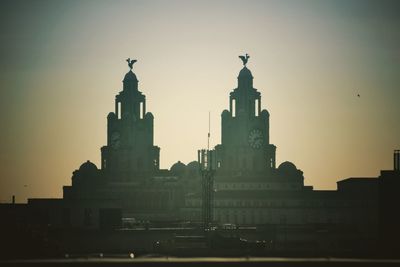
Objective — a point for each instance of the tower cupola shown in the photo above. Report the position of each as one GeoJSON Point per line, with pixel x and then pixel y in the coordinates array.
{"type": "Point", "coordinates": [245, 78]}
{"type": "Point", "coordinates": [130, 80]}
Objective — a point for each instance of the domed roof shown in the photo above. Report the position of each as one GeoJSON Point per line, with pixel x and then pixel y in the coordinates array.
{"type": "Point", "coordinates": [130, 76]}
{"type": "Point", "coordinates": [287, 166]}
{"type": "Point", "coordinates": [111, 114]}
{"type": "Point", "coordinates": [265, 112]}
{"type": "Point", "coordinates": [194, 165]}
{"type": "Point", "coordinates": [88, 167]}
{"type": "Point", "coordinates": [245, 72]}
{"type": "Point", "coordinates": [225, 112]}
{"type": "Point", "coordinates": [178, 168]}
{"type": "Point", "coordinates": [149, 115]}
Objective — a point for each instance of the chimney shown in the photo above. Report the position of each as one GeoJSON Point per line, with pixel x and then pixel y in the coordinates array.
{"type": "Point", "coordinates": [396, 160]}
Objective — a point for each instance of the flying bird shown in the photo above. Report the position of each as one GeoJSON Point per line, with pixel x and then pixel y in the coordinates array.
{"type": "Point", "coordinates": [244, 59]}
{"type": "Point", "coordinates": [358, 95]}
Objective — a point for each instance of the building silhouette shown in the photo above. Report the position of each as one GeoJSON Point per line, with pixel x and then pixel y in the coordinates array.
{"type": "Point", "coordinates": [129, 183]}
{"type": "Point", "coordinates": [130, 189]}
{"type": "Point", "coordinates": [250, 190]}
{"type": "Point", "coordinates": [130, 155]}
{"type": "Point", "coordinates": [247, 179]}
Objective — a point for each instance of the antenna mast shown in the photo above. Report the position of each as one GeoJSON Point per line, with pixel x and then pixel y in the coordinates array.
{"type": "Point", "coordinates": [206, 159]}
{"type": "Point", "coordinates": [208, 140]}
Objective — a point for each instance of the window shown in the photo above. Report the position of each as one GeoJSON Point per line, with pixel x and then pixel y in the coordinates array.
{"type": "Point", "coordinates": [104, 164]}
{"type": "Point", "coordinates": [256, 107]}
{"type": "Point", "coordinates": [119, 110]}
{"type": "Point", "coordinates": [141, 110]}
{"type": "Point", "coordinates": [155, 163]}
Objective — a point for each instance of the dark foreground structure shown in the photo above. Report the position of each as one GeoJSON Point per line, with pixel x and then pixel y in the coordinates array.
{"type": "Point", "coordinates": [258, 209]}
{"type": "Point", "coordinates": [219, 262]}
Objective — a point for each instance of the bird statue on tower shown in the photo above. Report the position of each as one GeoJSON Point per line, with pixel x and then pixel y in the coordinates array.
{"type": "Point", "coordinates": [244, 59]}
{"type": "Point", "coordinates": [131, 62]}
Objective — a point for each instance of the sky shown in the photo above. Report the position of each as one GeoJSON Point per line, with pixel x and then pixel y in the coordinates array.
{"type": "Point", "coordinates": [62, 63]}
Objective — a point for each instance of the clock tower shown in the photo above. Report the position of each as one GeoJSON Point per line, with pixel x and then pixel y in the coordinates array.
{"type": "Point", "coordinates": [245, 143]}
{"type": "Point", "coordinates": [130, 155]}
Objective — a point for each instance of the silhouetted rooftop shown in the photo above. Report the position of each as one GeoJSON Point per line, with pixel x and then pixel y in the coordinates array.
{"type": "Point", "coordinates": [287, 166]}
{"type": "Point", "coordinates": [275, 194]}
{"type": "Point", "coordinates": [130, 76]}
{"type": "Point", "coordinates": [194, 165]}
{"type": "Point", "coordinates": [358, 180]}
{"type": "Point", "coordinates": [178, 168]}
{"type": "Point", "coordinates": [88, 167]}
{"type": "Point", "coordinates": [245, 72]}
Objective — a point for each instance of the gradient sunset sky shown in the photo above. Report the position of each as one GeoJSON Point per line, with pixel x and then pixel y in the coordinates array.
{"type": "Point", "coordinates": [62, 63]}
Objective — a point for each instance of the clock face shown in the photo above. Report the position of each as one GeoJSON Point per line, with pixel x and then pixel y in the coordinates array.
{"type": "Point", "coordinates": [115, 140]}
{"type": "Point", "coordinates": [255, 138]}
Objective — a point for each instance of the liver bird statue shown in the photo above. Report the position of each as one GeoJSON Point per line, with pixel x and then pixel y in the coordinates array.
{"type": "Point", "coordinates": [131, 62]}
{"type": "Point", "coordinates": [244, 59]}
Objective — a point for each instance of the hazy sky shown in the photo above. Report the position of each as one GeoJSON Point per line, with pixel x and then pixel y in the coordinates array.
{"type": "Point", "coordinates": [62, 63]}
